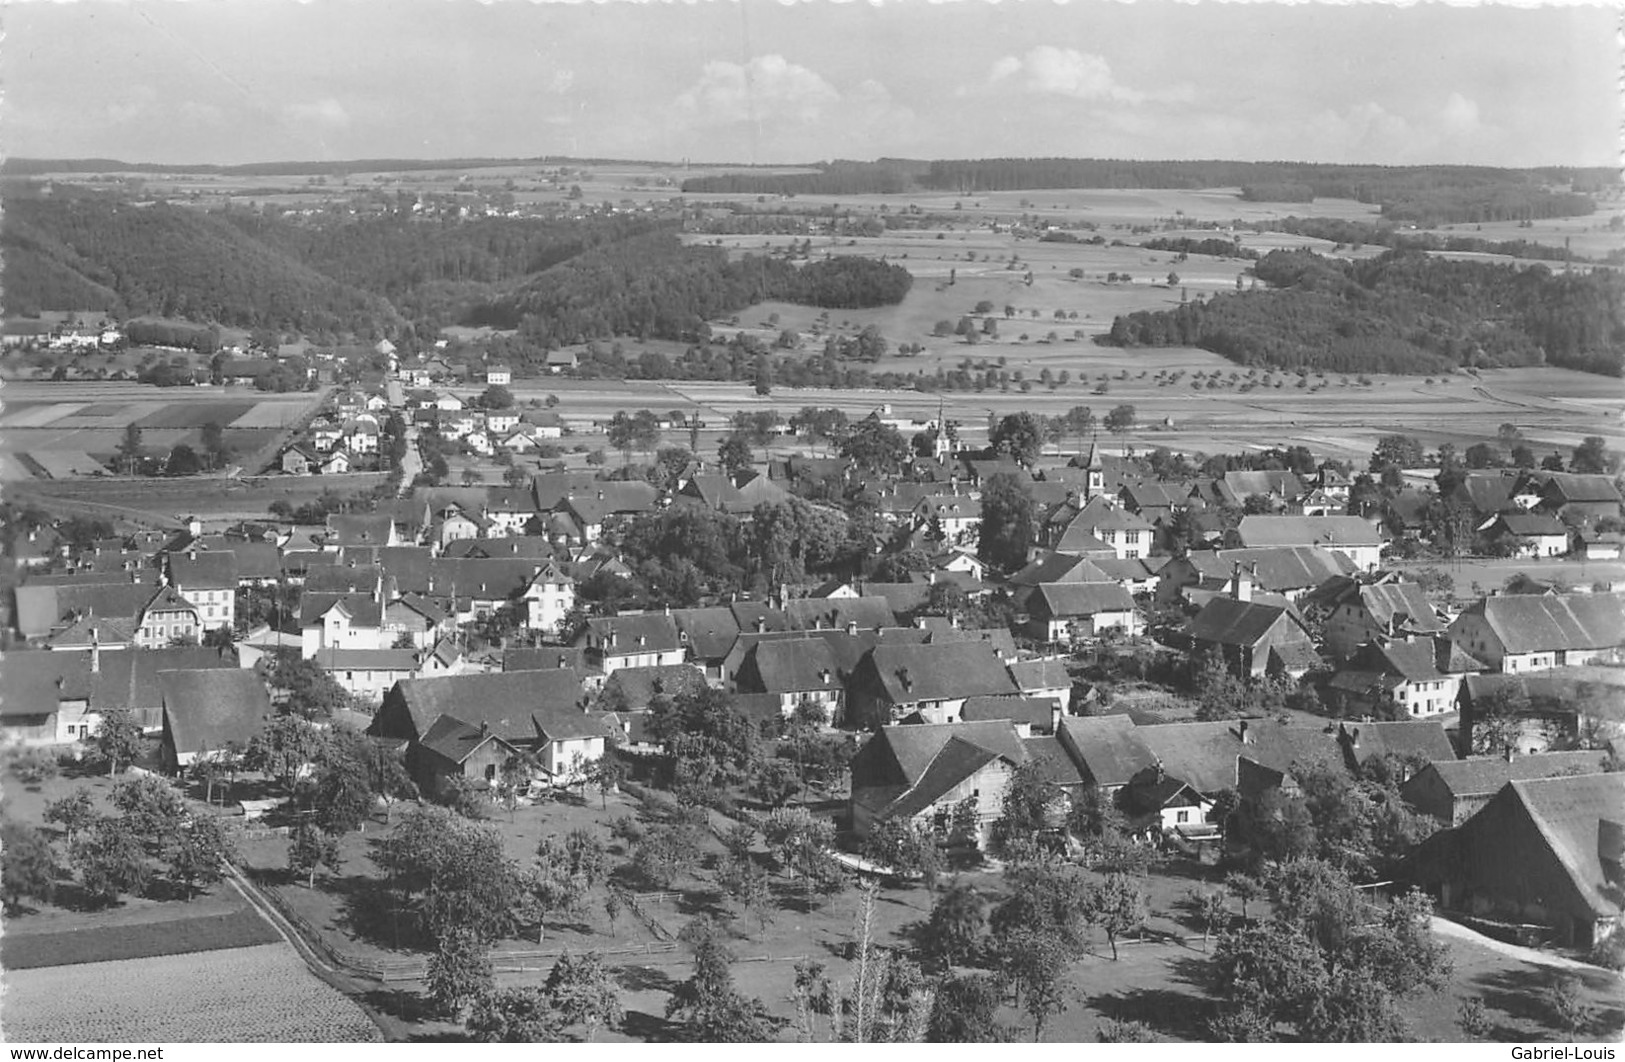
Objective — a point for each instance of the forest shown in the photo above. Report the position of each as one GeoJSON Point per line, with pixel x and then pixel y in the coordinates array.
{"type": "Point", "coordinates": [574, 278]}
{"type": "Point", "coordinates": [168, 261]}
{"type": "Point", "coordinates": [1402, 312]}
{"type": "Point", "coordinates": [654, 287]}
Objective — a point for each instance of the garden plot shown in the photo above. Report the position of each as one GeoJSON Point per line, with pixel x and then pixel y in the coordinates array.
{"type": "Point", "coordinates": [272, 415]}
{"type": "Point", "coordinates": [38, 416]}
{"type": "Point", "coordinates": [63, 464]}
{"type": "Point", "coordinates": [260, 994]}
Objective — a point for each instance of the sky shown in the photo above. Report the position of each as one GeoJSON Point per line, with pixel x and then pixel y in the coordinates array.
{"type": "Point", "coordinates": [763, 81]}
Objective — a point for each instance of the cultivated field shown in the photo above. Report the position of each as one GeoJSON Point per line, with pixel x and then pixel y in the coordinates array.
{"type": "Point", "coordinates": [59, 424]}
{"type": "Point", "coordinates": [260, 994]}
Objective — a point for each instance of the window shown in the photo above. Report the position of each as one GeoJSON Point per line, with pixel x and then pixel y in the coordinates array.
{"type": "Point", "coordinates": [1182, 816]}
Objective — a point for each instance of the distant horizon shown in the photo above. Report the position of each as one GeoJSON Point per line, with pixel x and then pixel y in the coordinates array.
{"type": "Point", "coordinates": [758, 81]}
{"type": "Point", "coordinates": [83, 164]}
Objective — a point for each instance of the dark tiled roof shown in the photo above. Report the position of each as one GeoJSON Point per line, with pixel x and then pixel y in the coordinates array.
{"type": "Point", "coordinates": [636, 687]}
{"type": "Point", "coordinates": [710, 631]}
{"type": "Point", "coordinates": [547, 658]}
{"type": "Point", "coordinates": [208, 709]}
{"type": "Point", "coordinates": [1485, 775]}
{"type": "Point", "coordinates": [948, 671]}
{"type": "Point", "coordinates": [1226, 621]}
{"type": "Point", "coordinates": [1324, 531]}
{"type": "Point", "coordinates": [1534, 622]}
{"type": "Point", "coordinates": [1046, 674]}
{"type": "Point", "coordinates": [1109, 746]}
{"type": "Point", "coordinates": [1079, 599]}
{"type": "Point", "coordinates": [1036, 712]}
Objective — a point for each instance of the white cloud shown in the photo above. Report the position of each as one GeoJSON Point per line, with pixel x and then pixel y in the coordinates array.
{"type": "Point", "coordinates": [1006, 67]}
{"type": "Point", "coordinates": [328, 112]}
{"type": "Point", "coordinates": [1460, 115]}
{"type": "Point", "coordinates": [767, 87]}
{"type": "Point", "coordinates": [1053, 71]}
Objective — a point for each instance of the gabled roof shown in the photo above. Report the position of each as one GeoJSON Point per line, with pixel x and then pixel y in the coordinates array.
{"type": "Point", "coordinates": [1036, 712]}
{"type": "Point", "coordinates": [1527, 623]}
{"type": "Point", "coordinates": [1045, 674]}
{"type": "Point", "coordinates": [1568, 812]}
{"type": "Point", "coordinates": [709, 632]}
{"type": "Point", "coordinates": [1418, 660]}
{"type": "Point", "coordinates": [1400, 605]}
{"type": "Point", "coordinates": [454, 740]}
{"type": "Point", "coordinates": [1061, 568]}
{"type": "Point", "coordinates": [948, 671]}
{"type": "Point", "coordinates": [1273, 568]}
{"type": "Point", "coordinates": [636, 687]}
{"type": "Point", "coordinates": [204, 570]}
{"type": "Point", "coordinates": [547, 658]}
{"type": "Point", "coordinates": [956, 761]}
{"type": "Point", "coordinates": [362, 608]}
{"type": "Point", "coordinates": [837, 612]}
{"type": "Point", "coordinates": [619, 635]}
{"type": "Point", "coordinates": [1324, 531]}
{"type": "Point", "coordinates": [208, 709]}
{"type": "Point", "coordinates": [1227, 621]}
{"type": "Point", "coordinates": [1108, 747]}
{"type": "Point", "coordinates": [506, 700]}
{"type": "Point", "coordinates": [1205, 755]}
{"type": "Point", "coordinates": [787, 665]}
{"type": "Point", "coordinates": [1485, 775]}
{"type": "Point", "coordinates": [1280, 483]}
{"type": "Point", "coordinates": [357, 530]}
{"type": "Point", "coordinates": [1581, 487]}
{"type": "Point", "coordinates": [914, 747]}
{"type": "Point", "coordinates": [1079, 599]}
{"type": "Point", "coordinates": [1531, 525]}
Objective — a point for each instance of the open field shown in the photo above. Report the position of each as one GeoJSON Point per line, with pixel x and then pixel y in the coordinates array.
{"type": "Point", "coordinates": [260, 994]}
{"type": "Point", "coordinates": [58, 424]}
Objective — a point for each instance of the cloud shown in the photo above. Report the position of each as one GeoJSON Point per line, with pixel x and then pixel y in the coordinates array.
{"type": "Point", "coordinates": [1053, 71]}
{"type": "Point", "coordinates": [329, 113]}
{"type": "Point", "coordinates": [561, 81]}
{"type": "Point", "coordinates": [1460, 115]}
{"type": "Point", "coordinates": [767, 87]}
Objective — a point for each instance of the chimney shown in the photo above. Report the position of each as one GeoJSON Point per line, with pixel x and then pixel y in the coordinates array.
{"type": "Point", "coordinates": [904, 678]}
{"type": "Point", "coordinates": [761, 624]}
{"type": "Point", "coordinates": [1241, 732]}
{"type": "Point", "coordinates": [95, 652]}
{"type": "Point", "coordinates": [823, 673]}
{"type": "Point", "coordinates": [1511, 752]}
{"type": "Point", "coordinates": [1354, 738]}
{"type": "Point", "coordinates": [1241, 583]}
{"type": "Point", "coordinates": [851, 626]}
{"type": "Point", "coordinates": [485, 728]}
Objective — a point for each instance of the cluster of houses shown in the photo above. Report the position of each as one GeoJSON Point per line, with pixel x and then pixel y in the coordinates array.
{"type": "Point", "coordinates": [945, 712]}
{"type": "Point", "coordinates": [346, 436]}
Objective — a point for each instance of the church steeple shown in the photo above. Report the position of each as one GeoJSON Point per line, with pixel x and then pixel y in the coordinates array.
{"type": "Point", "coordinates": [1095, 482]}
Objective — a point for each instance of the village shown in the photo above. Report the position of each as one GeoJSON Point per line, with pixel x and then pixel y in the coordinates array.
{"type": "Point", "coordinates": [918, 659]}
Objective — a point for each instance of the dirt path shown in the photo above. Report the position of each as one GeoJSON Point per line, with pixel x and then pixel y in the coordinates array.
{"type": "Point", "coordinates": [1444, 927]}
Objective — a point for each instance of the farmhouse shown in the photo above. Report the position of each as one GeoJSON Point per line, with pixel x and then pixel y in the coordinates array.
{"type": "Point", "coordinates": [455, 749]}
{"type": "Point", "coordinates": [1453, 791]}
{"type": "Point", "coordinates": [1544, 851]}
{"type": "Point", "coordinates": [1360, 612]}
{"type": "Point", "coordinates": [1533, 535]}
{"type": "Point", "coordinates": [1351, 536]}
{"type": "Point", "coordinates": [1072, 612]}
{"type": "Point", "coordinates": [208, 580]}
{"type": "Point", "coordinates": [1289, 572]}
{"type": "Point", "coordinates": [59, 697]}
{"type": "Point", "coordinates": [204, 711]}
{"type": "Point", "coordinates": [922, 774]}
{"type": "Point", "coordinates": [631, 641]}
{"type": "Point", "coordinates": [892, 681]}
{"type": "Point", "coordinates": [1252, 638]}
{"type": "Point", "coordinates": [1530, 632]}
{"type": "Point", "coordinates": [539, 711]}
{"type": "Point", "coordinates": [796, 671]}
{"type": "Point", "coordinates": [1412, 676]}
